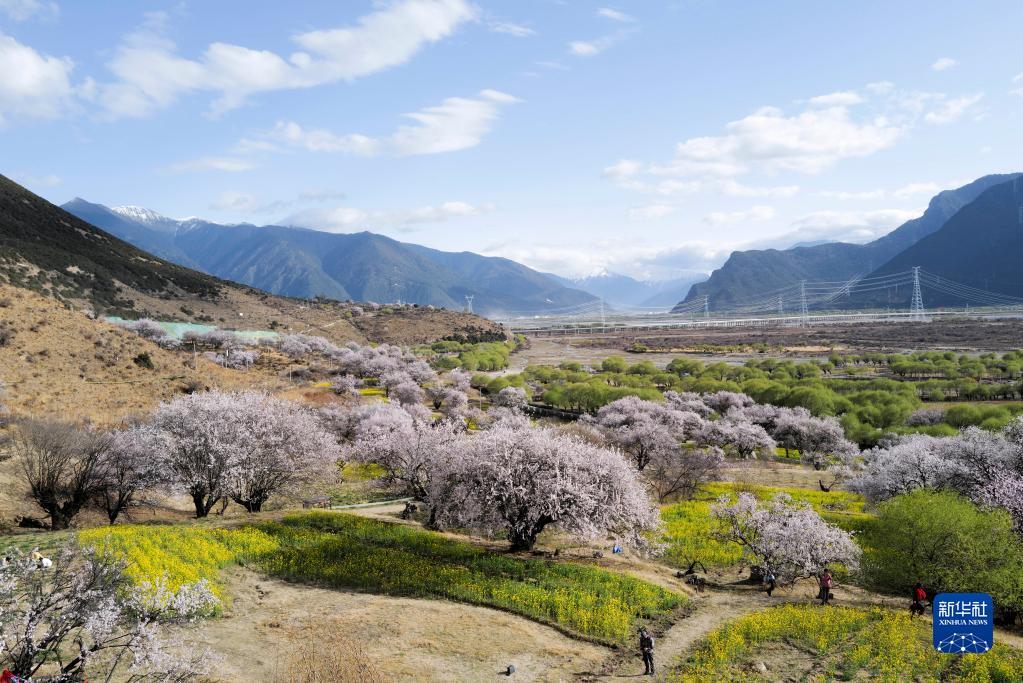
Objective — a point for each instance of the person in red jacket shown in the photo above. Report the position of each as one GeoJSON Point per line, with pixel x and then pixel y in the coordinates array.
{"type": "Point", "coordinates": [919, 598]}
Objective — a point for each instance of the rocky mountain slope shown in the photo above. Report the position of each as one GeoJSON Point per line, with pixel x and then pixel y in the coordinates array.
{"type": "Point", "coordinates": [979, 247]}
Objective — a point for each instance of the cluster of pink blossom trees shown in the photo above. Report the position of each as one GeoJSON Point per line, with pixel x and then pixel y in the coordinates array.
{"type": "Point", "coordinates": [212, 446]}
{"type": "Point", "coordinates": [246, 446]}
{"type": "Point", "coordinates": [985, 467]}
{"type": "Point", "coordinates": [511, 477]}
{"type": "Point", "coordinates": [681, 443]}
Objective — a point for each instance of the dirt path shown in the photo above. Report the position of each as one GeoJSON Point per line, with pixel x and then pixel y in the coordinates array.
{"type": "Point", "coordinates": [407, 639]}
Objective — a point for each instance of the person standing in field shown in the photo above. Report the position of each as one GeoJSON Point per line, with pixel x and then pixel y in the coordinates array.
{"type": "Point", "coordinates": [826, 583]}
{"type": "Point", "coordinates": [646, 647]}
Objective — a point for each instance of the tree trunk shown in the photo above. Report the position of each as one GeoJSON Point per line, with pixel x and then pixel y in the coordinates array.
{"type": "Point", "coordinates": [523, 541]}
{"type": "Point", "coordinates": [201, 507]}
{"type": "Point", "coordinates": [59, 521]}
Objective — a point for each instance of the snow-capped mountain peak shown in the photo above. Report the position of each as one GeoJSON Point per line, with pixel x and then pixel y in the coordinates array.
{"type": "Point", "coordinates": [139, 214]}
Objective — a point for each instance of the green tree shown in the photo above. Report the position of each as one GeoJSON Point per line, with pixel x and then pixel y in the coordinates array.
{"type": "Point", "coordinates": [946, 542]}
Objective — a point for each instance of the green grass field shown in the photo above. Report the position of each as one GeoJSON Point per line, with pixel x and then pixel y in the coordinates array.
{"type": "Point", "coordinates": [353, 552]}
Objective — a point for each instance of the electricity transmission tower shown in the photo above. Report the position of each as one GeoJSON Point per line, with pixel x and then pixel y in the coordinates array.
{"type": "Point", "coordinates": [781, 306]}
{"type": "Point", "coordinates": [468, 302]}
{"type": "Point", "coordinates": [916, 308]}
{"type": "Point", "coordinates": [706, 306]}
{"type": "Point", "coordinates": [803, 313]}
{"type": "Point", "coordinates": [602, 324]}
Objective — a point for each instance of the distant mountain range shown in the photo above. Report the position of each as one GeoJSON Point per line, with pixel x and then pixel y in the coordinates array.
{"type": "Point", "coordinates": [361, 266]}
{"type": "Point", "coordinates": [746, 275]}
{"type": "Point", "coordinates": [622, 291]}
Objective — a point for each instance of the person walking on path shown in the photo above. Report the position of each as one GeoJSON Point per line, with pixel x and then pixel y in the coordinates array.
{"type": "Point", "coordinates": [771, 580]}
{"type": "Point", "coordinates": [826, 583]}
{"type": "Point", "coordinates": [646, 647]}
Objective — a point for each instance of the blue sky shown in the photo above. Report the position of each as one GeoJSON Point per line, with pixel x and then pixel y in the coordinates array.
{"type": "Point", "coordinates": [644, 137]}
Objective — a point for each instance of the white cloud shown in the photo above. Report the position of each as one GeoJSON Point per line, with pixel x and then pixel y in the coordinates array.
{"type": "Point", "coordinates": [829, 129]}
{"type": "Point", "coordinates": [617, 255]}
{"type": "Point", "coordinates": [442, 212]}
{"type": "Point", "coordinates": [150, 74]}
{"type": "Point", "coordinates": [591, 48]}
{"type": "Point", "coordinates": [315, 140]}
{"type": "Point", "coordinates": [628, 173]}
{"type": "Point", "coordinates": [807, 142]}
{"type": "Point", "coordinates": [615, 15]}
{"type": "Point", "coordinates": [952, 110]}
{"type": "Point", "coordinates": [32, 84]}
{"type": "Point", "coordinates": [457, 123]}
{"type": "Point", "coordinates": [650, 212]}
{"type": "Point", "coordinates": [508, 28]}
{"type": "Point", "coordinates": [225, 164]}
{"type": "Point", "coordinates": [345, 218]}
{"type": "Point", "coordinates": [20, 10]}
{"type": "Point", "coordinates": [756, 213]}
{"type": "Point", "coordinates": [842, 226]}
{"type": "Point", "coordinates": [837, 99]}
{"type": "Point", "coordinates": [583, 48]}
{"type": "Point", "coordinates": [944, 64]}
{"type": "Point", "coordinates": [913, 189]}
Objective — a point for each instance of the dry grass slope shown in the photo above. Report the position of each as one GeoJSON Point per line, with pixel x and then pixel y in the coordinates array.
{"type": "Point", "coordinates": [59, 362]}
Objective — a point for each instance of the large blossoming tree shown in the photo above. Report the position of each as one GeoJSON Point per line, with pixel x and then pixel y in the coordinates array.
{"type": "Point", "coordinates": [784, 538]}
{"type": "Point", "coordinates": [246, 446]}
{"type": "Point", "coordinates": [518, 481]}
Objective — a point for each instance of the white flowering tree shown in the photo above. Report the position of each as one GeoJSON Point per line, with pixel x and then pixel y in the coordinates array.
{"type": "Point", "coordinates": [407, 393]}
{"type": "Point", "coordinates": [346, 385]}
{"type": "Point", "coordinates": [147, 329]}
{"type": "Point", "coordinates": [784, 538]}
{"type": "Point", "coordinates": [519, 481]}
{"type": "Point", "coordinates": [641, 428]}
{"type": "Point", "coordinates": [81, 618]}
{"type": "Point", "coordinates": [408, 446]}
{"type": "Point", "coordinates": [460, 379]}
{"type": "Point", "coordinates": [721, 402]}
{"type": "Point", "coordinates": [985, 467]}
{"type": "Point", "coordinates": [817, 439]}
{"type": "Point", "coordinates": [745, 439]}
{"type": "Point", "coordinates": [679, 472]}
{"type": "Point", "coordinates": [133, 465]}
{"type": "Point", "coordinates": [511, 397]}
{"type": "Point", "coordinates": [247, 446]}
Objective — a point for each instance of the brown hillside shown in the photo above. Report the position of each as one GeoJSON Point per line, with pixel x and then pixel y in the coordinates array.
{"type": "Point", "coordinates": [59, 362]}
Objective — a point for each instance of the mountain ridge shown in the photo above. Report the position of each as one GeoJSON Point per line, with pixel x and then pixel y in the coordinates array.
{"type": "Point", "coordinates": [747, 274]}
{"type": "Point", "coordinates": [365, 266]}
